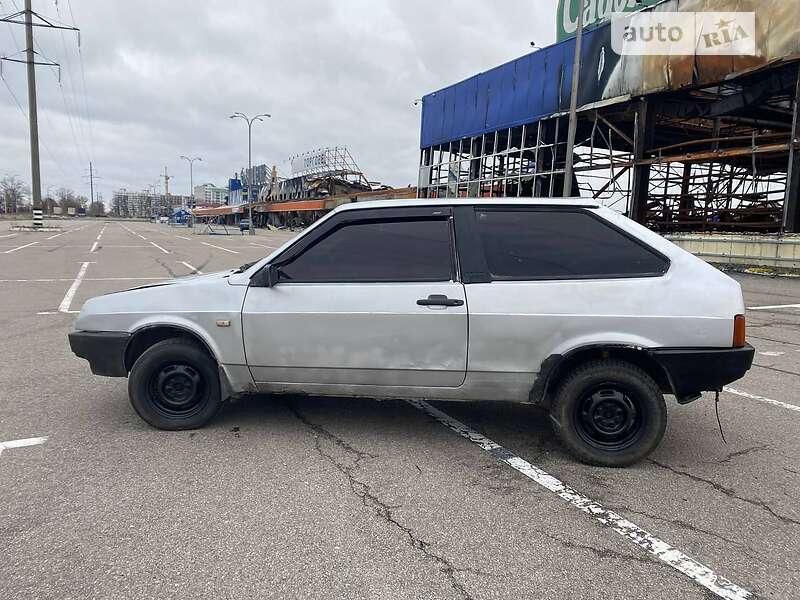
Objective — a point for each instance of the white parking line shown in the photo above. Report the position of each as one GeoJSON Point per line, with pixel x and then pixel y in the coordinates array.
{"type": "Point", "coordinates": [220, 248]}
{"type": "Point", "coordinates": [22, 443]}
{"type": "Point", "coordinates": [773, 307]}
{"type": "Point", "coordinates": [183, 238]}
{"type": "Point", "coordinates": [263, 246]}
{"type": "Point", "coordinates": [190, 267]}
{"type": "Point", "coordinates": [131, 231]}
{"type": "Point", "coordinates": [736, 392]}
{"type": "Point", "coordinates": [20, 247]}
{"type": "Point", "coordinates": [94, 247]}
{"type": "Point", "coordinates": [52, 237]}
{"type": "Point", "coordinates": [11, 235]}
{"type": "Point", "coordinates": [67, 301]}
{"type": "Point", "coordinates": [673, 557]}
{"type": "Point", "coordinates": [159, 247]}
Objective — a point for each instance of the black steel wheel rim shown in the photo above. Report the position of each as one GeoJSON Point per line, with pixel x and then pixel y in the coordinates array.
{"type": "Point", "coordinates": [177, 390]}
{"type": "Point", "coordinates": [610, 417]}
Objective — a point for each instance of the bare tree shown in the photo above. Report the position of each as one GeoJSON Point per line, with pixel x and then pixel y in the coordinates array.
{"type": "Point", "coordinates": [66, 198]}
{"type": "Point", "coordinates": [13, 194]}
{"type": "Point", "coordinates": [96, 209]}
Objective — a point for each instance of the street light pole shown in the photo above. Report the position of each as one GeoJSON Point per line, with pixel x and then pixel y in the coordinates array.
{"type": "Point", "coordinates": [191, 174]}
{"type": "Point", "coordinates": [573, 106]}
{"type": "Point", "coordinates": [250, 121]}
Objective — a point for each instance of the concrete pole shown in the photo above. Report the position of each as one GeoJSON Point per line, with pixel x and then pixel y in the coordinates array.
{"type": "Point", "coordinates": [573, 106]}
{"type": "Point", "coordinates": [91, 184]}
{"type": "Point", "coordinates": [36, 184]}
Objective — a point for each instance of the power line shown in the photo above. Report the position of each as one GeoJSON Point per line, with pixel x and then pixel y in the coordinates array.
{"type": "Point", "coordinates": [71, 81]}
{"type": "Point", "coordinates": [83, 79]}
{"type": "Point", "coordinates": [76, 147]}
{"type": "Point", "coordinates": [25, 116]}
{"type": "Point", "coordinates": [30, 19]}
{"type": "Point", "coordinates": [14, 96]}
{"type": "Point", "coordinates": [11, 29]}
{"type": "Point", "coordinates": [58, 78]}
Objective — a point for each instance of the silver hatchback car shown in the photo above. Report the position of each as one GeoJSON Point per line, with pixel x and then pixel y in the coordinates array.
{"type": "Point", "coordinates": [559, 303]}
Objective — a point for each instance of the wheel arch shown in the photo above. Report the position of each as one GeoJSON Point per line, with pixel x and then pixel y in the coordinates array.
{"type": "Point", "coordinates": [556, 366]}
{"type": "Point", "coordinates": [146, 336]}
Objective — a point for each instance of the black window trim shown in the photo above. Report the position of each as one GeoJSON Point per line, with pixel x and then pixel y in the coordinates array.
{"type": "Point", "coordinates": [475, 266]}
{"type": "Point", "coordinates": [355, 216]}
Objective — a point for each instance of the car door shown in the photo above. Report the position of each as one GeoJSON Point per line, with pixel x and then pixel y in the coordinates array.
{"type": "Point", "coordinates": [372, 298]}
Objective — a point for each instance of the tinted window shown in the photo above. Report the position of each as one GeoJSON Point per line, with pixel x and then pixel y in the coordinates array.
{"type": "Point", "coordinates": [554, 245]}
{"type": "Point", "coordinates": [408, 250]}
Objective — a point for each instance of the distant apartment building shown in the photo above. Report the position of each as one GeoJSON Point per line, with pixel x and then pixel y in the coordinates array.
{"type": "Point", "coordinates": [145, 204]}
{"type": "Point", "coordinates": [210, 195]}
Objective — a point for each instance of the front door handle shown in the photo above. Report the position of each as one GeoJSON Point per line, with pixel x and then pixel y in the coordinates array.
{"type": "Point", "coordinates": [439, 300]}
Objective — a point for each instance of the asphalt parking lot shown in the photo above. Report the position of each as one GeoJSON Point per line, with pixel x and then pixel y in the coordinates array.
{"type": "Point", "coordinates": [341, 498]}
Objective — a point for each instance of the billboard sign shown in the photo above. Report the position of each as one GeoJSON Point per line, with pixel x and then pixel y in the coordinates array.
{"type": "Point", "coordinates": [595, 13]}
{"type": "Point", "coordinates": [310, 162]}
{"type": "Point", "coordinates": [724, 40]}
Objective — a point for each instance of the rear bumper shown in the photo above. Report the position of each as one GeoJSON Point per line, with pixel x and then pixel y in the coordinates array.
{"type": "Point", "coordinates": [105, 351]}
{"type": "Point", "coordinates": [693, 371]}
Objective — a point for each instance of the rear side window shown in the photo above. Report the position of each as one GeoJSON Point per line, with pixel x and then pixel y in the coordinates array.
{"type": "Point", "coordinates": [525, 245]}
{"type": "Point", "coordinates": [377, 251]}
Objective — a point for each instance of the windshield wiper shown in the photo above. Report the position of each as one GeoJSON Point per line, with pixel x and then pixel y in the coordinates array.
{"type": "Point", "coordinates": [245, 266]}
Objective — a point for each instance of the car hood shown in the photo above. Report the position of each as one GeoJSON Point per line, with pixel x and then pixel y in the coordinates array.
{"type": "Point", "coordinates": [188, 280]}
{"type": "Point", "coordinates": [188, 298]}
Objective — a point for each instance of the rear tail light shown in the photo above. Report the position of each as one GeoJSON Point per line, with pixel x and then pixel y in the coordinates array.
{"type": "Point", "coordinates": [739, 332]}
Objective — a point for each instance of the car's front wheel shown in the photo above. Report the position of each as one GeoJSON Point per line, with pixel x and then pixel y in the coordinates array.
{"type": "Point", "coordinates": [609, 413]}
{"type": "Point", "coordinates": [174, 385]}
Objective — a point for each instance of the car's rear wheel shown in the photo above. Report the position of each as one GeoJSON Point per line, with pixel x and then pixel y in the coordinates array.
{"type": "Point", "coordinates": [174, 385]}
{"type": "Point", "coordinates": [609, 413]}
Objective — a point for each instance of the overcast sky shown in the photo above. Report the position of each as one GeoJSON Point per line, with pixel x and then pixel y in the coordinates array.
{"type": "Point", "coordinates": [162, 77]}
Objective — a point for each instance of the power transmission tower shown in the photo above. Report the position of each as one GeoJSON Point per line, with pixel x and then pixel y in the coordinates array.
{"type": "Point", "coordinates": [30, 20]}
{"type": "Point", "coordinates": [91, 177]}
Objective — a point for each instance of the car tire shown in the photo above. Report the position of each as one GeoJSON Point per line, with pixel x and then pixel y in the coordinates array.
{"type": "Point", "coordinates": [609, 413]}
{"type": "Point", "coordinates": [174, 385]}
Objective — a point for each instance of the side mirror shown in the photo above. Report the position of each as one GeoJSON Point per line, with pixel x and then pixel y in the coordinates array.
{"type": "Point", "coordinates": [273, 275]}
{"type": "Point", "coordinates": [267, 277]}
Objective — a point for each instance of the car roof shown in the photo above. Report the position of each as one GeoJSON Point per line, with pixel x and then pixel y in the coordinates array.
{"type": "Point", "coordinates": [568, 202]}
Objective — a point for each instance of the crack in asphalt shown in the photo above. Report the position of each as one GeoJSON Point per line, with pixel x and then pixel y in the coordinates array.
{"type": "Point", "coordinates": [784, 325]}
{"type": "Point", "coordinates": [746, 550]}
{"type": "Point", "coordinates": [738, 453]}
{"type": "Point", "coordinates": [728, 492]}
{"type": "Point", "coordinates": [603, 553]}
{"type": "Point", "coordinates": [380, 508]}
{"type": "Point", "coordinates": [764, 339]}
{"type": "Point", "coordinates": [679, 523]}
{"type": "Point", "coordinates": [776, 370]}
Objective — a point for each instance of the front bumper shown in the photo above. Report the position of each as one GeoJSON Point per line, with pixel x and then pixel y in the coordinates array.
{"type": "Point", "coordinates": [105, 351]}
{"type": "Point", "coordinates": [693, 371]}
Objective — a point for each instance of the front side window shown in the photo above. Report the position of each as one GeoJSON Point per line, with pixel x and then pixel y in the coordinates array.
{"type": "Point", "coordinates": [545, 244]}
{"type": "Point", "coordinates": [377, 251]}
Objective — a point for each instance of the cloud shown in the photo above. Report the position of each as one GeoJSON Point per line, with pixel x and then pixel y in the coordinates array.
{"type": "Point", "coordinates": [162, 78]}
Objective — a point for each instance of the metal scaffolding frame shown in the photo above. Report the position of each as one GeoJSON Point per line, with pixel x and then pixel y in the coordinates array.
{"type": "Point", "coordinates": [718, 158]}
